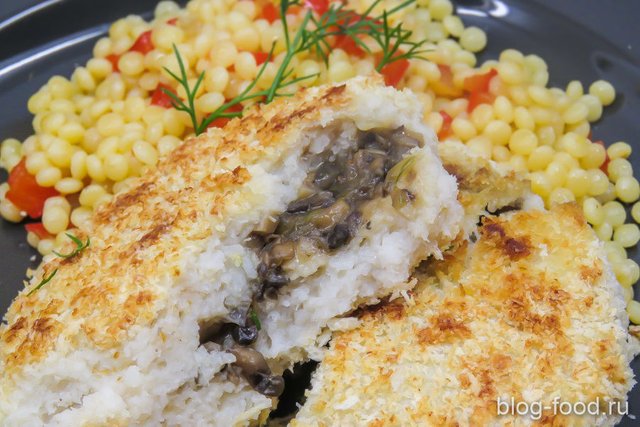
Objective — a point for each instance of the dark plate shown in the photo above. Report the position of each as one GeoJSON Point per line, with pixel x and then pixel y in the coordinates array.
{"type": "Point", "coordinates": [39, 39]}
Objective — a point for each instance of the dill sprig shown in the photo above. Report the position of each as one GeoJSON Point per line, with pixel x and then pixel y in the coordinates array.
{"type": "Point", "coordinates": [255, 319]}
{"type": "Point", "coordinates": [43, 282]}
{"type": "Point", "coordinates": [80, 246]}
{"type": "Point", "coordinates": [314, 34]}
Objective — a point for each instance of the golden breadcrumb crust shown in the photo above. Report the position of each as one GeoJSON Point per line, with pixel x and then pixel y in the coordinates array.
{"type": "Point", "coordinates": [528, 312]}
{"type": "Point", "coordinates": [139, 238]}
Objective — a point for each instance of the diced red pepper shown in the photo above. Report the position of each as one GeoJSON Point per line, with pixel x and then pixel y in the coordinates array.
{"type": "Point", "coordinates": [445, 129]}
{"type": "Point", "coordinates": [260, 57]}
{"type": "Point", "coordinates": [478, 88]}
{"type": "Point", "coordinates": [143, 43]}
{"type": "Point", "coordinates": [604, 167]}
{"type": "Point", "coordinates": [394, 71]}
{"type": "Point", "coordinates": [347, 44]}
{"type": "Point", "coordinates": [444, 86]}
{"type": "Point", "coordinates": [479, 82]}
{"type": "Point", "coordinates": [160, 98]}
{"type": "Point", "coordinates": [318, 6]}
{"type": "Point", "coordinates": [477, 98]}
{"type": "Point", "coordinates": [221, 122]}
{"type": "Point", "coordinates": [113, 58]}
{"type": "Point", "coordinates": [173, 21]}
{"type": "Point", "coordinates": [38, 229]}
{"type": "Point", "coordinates": [270, 12]}
{"type": "Point", "coordinates": [25, 193]}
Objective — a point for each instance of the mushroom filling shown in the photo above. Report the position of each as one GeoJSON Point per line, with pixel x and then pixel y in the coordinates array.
{"type": "Point", "coordinates": [234, 337]}
{"type": "Point", "coordinates": [328, 213]}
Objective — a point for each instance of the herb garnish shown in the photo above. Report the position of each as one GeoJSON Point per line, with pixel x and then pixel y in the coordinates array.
{"type": "Point", "coordinates": [255, 319]}
{"type": "Point", "coordinates": [44, 281]}
{"type": "Point", "coordinates": [79, 246]}
{"type": "Point", "coordinates": [314, 35]}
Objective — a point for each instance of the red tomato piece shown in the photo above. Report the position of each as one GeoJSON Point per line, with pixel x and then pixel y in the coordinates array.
{"type": "Point", "coordinates": [221, 122]}
{"type": "Point", "coordinates": [604, 167]}
{"type": "Point", "coordinates": [479, 82]}
{"type": "Point", "coordinates": [270, 12]}
{"type": "Point", "coordinates": [25, 193]}
{"type": "Point", "coordinates": [445, 130]}
{"type": "Point", "coordinates": [160, 98]}
{"type": "Point", "coordinates": [38, 229]}
{"type": "Point", "coordinates": [143, 43]}
{"type": "Point", "coordinates": [394, 71]}
{"type": "Point", "coordinates": [260, 57]}
{"type": "Point", "coordinates": [113, 58]}
{"type": "Point", "coordinates": [318, 6]}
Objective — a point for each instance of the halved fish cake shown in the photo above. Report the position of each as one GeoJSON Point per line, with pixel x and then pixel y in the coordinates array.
{"type": "Point", "coordinates": [291, 217]}
{"type": "Point", "coordinates": [531, 311]}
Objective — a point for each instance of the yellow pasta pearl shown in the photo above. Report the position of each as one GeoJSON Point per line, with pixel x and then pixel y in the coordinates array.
{"type": "Point", "coordinates": [116, 167]}
{"type": "Point", "coordinates": [540, 184]}
{"type": "Point", "coordinates": [500, 153]}
{"type": "Point", "coordinates": [36, 162]}
{"type": "Point", "coordinates": [523, 119]}
{"type": "Point", "coordinates": [91, 194]}
{"type": "Point", "coordinates": [557, 173]}
{"type": "Point", "coordinates": [503, 109]}
{"type": "Point", "coordinates": [340, 71]}
{"type": "Point", "coordinates": [453, 25]}
{"type": "Point", "coordinates": [165, 36]}
{"type": "Point", "coordinates": [498, 132]}
{"type": "Point", "coordinates": [598, 182]}
{"type": "Point", "coordinates": [627, 235]}
{"type": "Point", "coordinates": [618, 168]}
{"type": "Point", "coordinates": [635, 212]}
{"type": "Point", "coordinates": [577, 112]}
{"type": "Point", "coordinates": [110, 124]}
{"type": "Point", "coordinates": [633, 308]}
{"type": "Point", "coordinates": [245, 66]}
{"type": "Point", "coordinates": [604, 91]}
{"type": "Point", "coordinates": [78, 165]}
{"type": "Point", "coordinates": [55, 219]}
{"type": "Point", "coordinates": [60, 152]}
{"type": "Point", "coordinates": [619, 150]}
{"type": "Point", "coordinates": [594, 106]}
{"type": "Point", "coordinates": [145, 152]}
{"type": "Point", "coordinates": [131, 63]}
{"type": "Point", "coordinates": [614, 213]}
{"type": "Point", "coordinates": [95, 168]}
{"type": "Point", "coordinates": [439, 9]}
{"type": "Point", "coordinates": [546, 135]}
{"type": "Point", "coordinates": [68, 186]}
{"type": "Point", "coordinates": [473, 39]}
{"type": "Point", "coordinates": [540, 158]}
{"type": "Point", "coordinates": [627, 189]}
{"type": "Point", "coordinates": [578, 182]}
{"type": "Point", "coordinates": [481, 116]}
{"type": "Point", "coordinates": [627, 272]}
{"type": "Point", "coordinates": [48, 177]}
{"type": "Point", "coordinates": [10, 212]}
{"type": "Point", "coordinates": [593, 211]}
{"type": "Point", "coordinates": [604, 231]}
{"type": "Point", "coordinates": [594, 156]}
{"type": "Point", "coordinates": [574, 89]}
{"type": "Point", "coordinates": [523, 142]}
